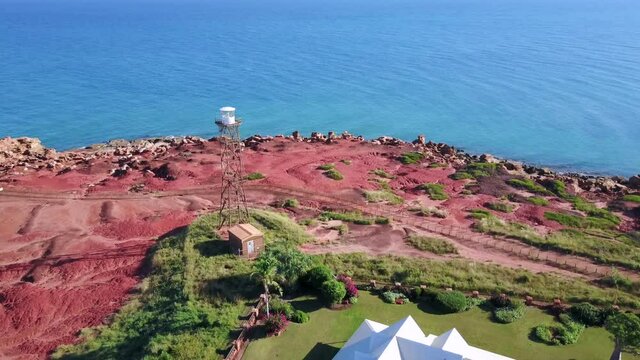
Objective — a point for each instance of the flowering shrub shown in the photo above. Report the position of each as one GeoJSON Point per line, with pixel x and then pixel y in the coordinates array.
{"type": "Point", "coordinates": [394, 297]}
{"type": "Point", "coordinates": [350, 286]}
{"type": "Point", "coordinates": [275, 323]}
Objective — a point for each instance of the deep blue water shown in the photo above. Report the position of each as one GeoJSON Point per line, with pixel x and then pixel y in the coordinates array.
{"type": "Point", "coordinates": [551, 82]}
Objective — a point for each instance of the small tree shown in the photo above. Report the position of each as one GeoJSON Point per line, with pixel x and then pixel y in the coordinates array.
{"type": "Point", "coordinates": [333, 291]}
{"type": "Point", "coordinates": [625, 328]}
{"type": "Point", "coordinates": [266, 267]}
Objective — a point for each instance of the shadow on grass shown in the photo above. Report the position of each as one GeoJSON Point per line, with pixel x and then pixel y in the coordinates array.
{"type": "Point", "coordinates": [307, 305]}
{"type": "Point", "coordinates": [213, 248]}
{"type": "Point", "coordinates": [321, 351]}
{"type": "Point", "coordinates": [430, 308]}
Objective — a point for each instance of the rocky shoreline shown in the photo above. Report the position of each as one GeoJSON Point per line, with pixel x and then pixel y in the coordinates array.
{"type": "Point", "coordinates": [20, 155]}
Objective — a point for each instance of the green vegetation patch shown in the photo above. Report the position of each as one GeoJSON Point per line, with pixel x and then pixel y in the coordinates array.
{"type": "Point", "coordinates": [413, 157]}
{"type": "Point", "coordinates": [560, 189]}
{"type": "Point", "coordinates": [291, 203]}
{"type": "Point", "coordinates": [326, 167]}
{"type": "Point", "coordinates": [354, 217]}
{"type": "Point", "coordinates": [333, 174]}
{"type": "Point", "coordinates": [580, 222]}
{"type": "Point", "coordinates": [436, 165]}
{"type": "Point", "coordinates": [540, 201]}
{"type": "Point", "coordinates": [435, 191]}
{"type": "Point", "coordinates": [605, 247]}
{"type": "Point", "coordinates": [431, 244]}
{"type": "Point", "coordinates": [565, 332]}
{"type": "Point", "coordinates": [254, 176]}
{"type": "Point", "coordinates": [191, 302]}
{"type": "Point", "coordinates": [377, 196]}
{"type": "Point", "coordinates": [632, 198]}
{"type": "Point", "coordinates": [346, 161]}
{"type": "Point", "coordinates": [499, 206]}
{"type": "Point", "coordinates": [475, 170]}
{"type": "Point", "coordinates": [468, 276]}
{"type": "Point", "coordinates": [529, 185]}
{"type": "Point", "coordinates": [382, 173]}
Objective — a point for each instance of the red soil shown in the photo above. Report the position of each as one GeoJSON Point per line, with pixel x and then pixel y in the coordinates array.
{"type": "Point", "coordinates": [72, 245]}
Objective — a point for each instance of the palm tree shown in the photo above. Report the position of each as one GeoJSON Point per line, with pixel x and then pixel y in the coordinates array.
{"type": "Point", "coordinates": [266, 269]}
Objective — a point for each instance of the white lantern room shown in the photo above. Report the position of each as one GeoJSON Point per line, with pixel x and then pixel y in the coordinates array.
{"type": "Point", "coordinates": [227, 115]}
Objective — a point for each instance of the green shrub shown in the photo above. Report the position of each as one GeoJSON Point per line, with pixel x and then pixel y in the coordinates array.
{"type": "Point", "coordinates": [436, 165]}
{"type": "Point", "coordinates": [254, 176]}
{"type": "Point", "coordinates": [499, 206]}
{"type": "Point", "coordinates": [475, 170]}
{"type": "Point", "coordinates": [586, 314]}
{"type": "Point", "coordinates": [318, 275]}
{"type": "Point", "coordinates": [354, 217]}
{"type": "Point", "coordinates": [277, 305]}
{"type": "Point", "coordinates": [435, 191]}
{"type": "Point", "coordinates": [299, 316]}
{"type": "Point", "coordinates": [291, 203]}
{"type": "Point", "coordinates": [479, 213]}
{"type": "Point", "coordinates": [346, 161]}
{"type": "Point", "coordinates": [382, 173]}
{"type": "Point", "coordinates": [565, 333]}
{"type": "Point", "coordinates": [538, 201]}
{"type": "Point", "coordinates": [580, 222]}
{"type": "Point", "coordinates": [529, 185]}
{"type": "Point", "coordinates": [377, 196]}
{"type": "Point", "coordinates": [451, 301]}
{"type": "Point", "coordinates": [431, 244]}
{"type": "Point", "coordinates": [353, 300]}
{"type": "Point", "coordinates": [508, 314]}
{"type": "Point", "coordinates": [393, 297]}
{"type": "Point", "coordinates": [411, 158]}
{"type": "Point", "coordinates": [326, 167]}
{"type": "Point", "coordinates": [632, 198]}
{"type": "Point", "coordinates": [333, 291]}
{"type": "Point", "coordinates": [333, 174]}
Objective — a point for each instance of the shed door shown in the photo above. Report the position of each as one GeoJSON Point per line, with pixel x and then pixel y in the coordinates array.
{"type": "Point", "coordinates": [250, 247]}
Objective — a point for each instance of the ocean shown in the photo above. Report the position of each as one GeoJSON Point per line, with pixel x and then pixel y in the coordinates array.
{"type": "Point", "coordinates": [550, 82]}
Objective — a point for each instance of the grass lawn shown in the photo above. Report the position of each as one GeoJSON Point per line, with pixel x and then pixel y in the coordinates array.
{"type": "Point", "coordinates": [328, 330]}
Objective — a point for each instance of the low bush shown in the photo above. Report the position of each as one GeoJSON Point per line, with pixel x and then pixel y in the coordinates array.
{"type": "Point", "coordinates": [451, 301]}
{"type": "Point", "coordinates": [290, 203]}
{"type": "Point", "coordinates": [299, 316]}
{"type": "Point", "coordinates": [279, 306]}
{"type": "Point", "coordinates": [540, 201]}
{"type": "Point", "coordinates": [254, 176]}
{"type": "Point", "coordinates": [346, 161]}
{"type": "Point", "coordinates": [479, 213]}
{"type": "Point", "coordinates": [393, 297]}
{"type": "Point", "coordinates": [435, 191]}
{"type": "Point", "coordinates": [529, 185]}
{"type": "Point", "coordinates": [333, 174]}
{"type": "Point", "coordinates": [565, 333]}
{"type": "Point", "coordinates": [580, 222]}
{"type": "Point", "coordinates": [354, 217]}
{"type": "Point", "coordinates": [349, 285]}
{"type": "Point", "coordinates": [353, 300]}
{"type": "Point", "coordinates": [587, 314]}
{"type": "Point", "coordinates": [499, 206]}
{"type": "Point", "coordinates": [475, 170]}
{"type": "Point", "coordinates": [326, 167]}
{"type": "Point", "coordinates": [318, 275]}
{"type": "Point", "coordinates": [436, 165]}
{"type": "Point", "coordinates": [333, 291]}
{"type": "Point", "coordinates": [411, 158]}
{"type": "Point", "coordinates": [632, 198]}
{"type": "Point", "coordinates": [431, 244]}
{"type": "Point", "coordinates": [382, 173]}
{"type": "Point", "coordinates": [508, 314]}
{"type": "Point", "coordinates": [377, 196]}
{"type": "Point", "coordinates": [275, 323]}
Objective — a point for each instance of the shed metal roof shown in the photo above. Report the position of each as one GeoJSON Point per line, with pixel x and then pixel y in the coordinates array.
{"type": "Point", "coordinates": [244, 231]}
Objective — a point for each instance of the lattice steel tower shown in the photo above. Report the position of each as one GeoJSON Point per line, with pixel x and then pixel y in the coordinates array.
{"type": "Point", "coordinates": [233, 203]}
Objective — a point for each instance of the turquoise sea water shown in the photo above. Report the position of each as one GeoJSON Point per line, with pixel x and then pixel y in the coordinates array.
{"type": "Point", "coordinates": [551, 82]}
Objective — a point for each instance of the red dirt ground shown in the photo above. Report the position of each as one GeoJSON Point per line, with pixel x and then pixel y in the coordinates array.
{"type": "Point", "coordinates": [72, 245]}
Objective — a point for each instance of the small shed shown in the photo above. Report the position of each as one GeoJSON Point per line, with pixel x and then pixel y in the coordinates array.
{"type": "Point", "coordinates": [245, 240]}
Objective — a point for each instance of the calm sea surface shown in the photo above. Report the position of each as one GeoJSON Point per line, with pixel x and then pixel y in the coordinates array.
{"type": "Point", "coordinates": [551, 82]}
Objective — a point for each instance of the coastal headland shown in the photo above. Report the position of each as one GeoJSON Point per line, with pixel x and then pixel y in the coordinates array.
{"type": "Point", "coordinates": [76, 226]}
